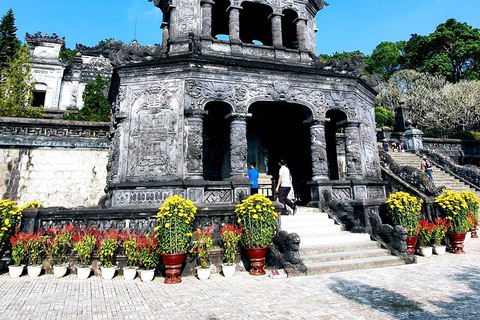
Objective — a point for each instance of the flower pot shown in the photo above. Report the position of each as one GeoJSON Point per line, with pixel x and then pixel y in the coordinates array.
{"type": "Point", "coordinates": [228, 270]}
{"type": "Point", "coordinates": [203, 273]}
{"type": "Point", "coordinates": [411, 242]}
{"type": "Point", "coordinates": [439, 250]}
{"type": "Point", "coordinates": [456, 240]}
{"type": "Point", "coordinates": [34, 271]}
{"type": "Point", "coordinates": [129, 273]}
{"type": "Point", "coordinates": [84, 272]}
{"type": "Point", "coordinates": [173, 266]}
{"type": "Point", "coordinates": [426, 251]}
{"type": "Point", "coordinates": [257, 260]}
{"type": "Point", "coordinates": [474, 233]}
{"type": "Point", "coordinates": [108, 273]}
{"type": "Point", "coordinates": [16, 271]}
{"type": "Point", "coordinates": [147, 275]}
{"type": "Point", "coordinates": [60, 271]}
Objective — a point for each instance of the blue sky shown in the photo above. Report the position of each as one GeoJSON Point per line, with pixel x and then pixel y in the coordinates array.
{"type": "Point", "coordinates": [345, 25]}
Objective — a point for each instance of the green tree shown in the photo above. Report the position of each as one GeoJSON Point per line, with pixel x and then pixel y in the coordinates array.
{"type": "Point", "coordinates": [67, 54]}
{"type": "Point", "coordinates": [96, 107]}
{"type": "Point", "coordinates": [9, 44]}
{"type": "Point", "coordinates": [386, 58]}
{"type": "Point", "coordinates": [339, 56]}
{"type": "Point", "coordinates": [384, 118]}
{"type": "Point", "coordinates": [453, 51]}
{"type": "Point", "coordinates": [17, 86]}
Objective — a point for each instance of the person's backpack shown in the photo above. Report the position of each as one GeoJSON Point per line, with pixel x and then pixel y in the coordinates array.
{"type": "Point", "coordinates": [428, 165]}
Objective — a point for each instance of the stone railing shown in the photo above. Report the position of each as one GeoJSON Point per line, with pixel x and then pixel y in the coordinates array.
{"type": "Point", "coordinates": [462, 151]}
{"type": "Point", "coordinates": [24, 132]}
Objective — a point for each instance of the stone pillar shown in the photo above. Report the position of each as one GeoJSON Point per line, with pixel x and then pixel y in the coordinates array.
{"type": "Point", "coordinates": [238, 145]}
{"type": "Point", "coordinates": [413, 139]}
{"type": "Point", "coordinates": [173, 32]}
{"type": "Point", "coordinates": [401, 117]}
{"type": "Point", "coordinates": [207, 18]}
{"type": "Point", "coordinates": [234, 23]}
{"type": "Point", "coordinates": [353, 151]}
{"type": "Point", "coordinates": [277, 29]}
{"type": "Point", "coordinates": [301, 24]}
{"type": "Point", "coordinates": [165, 33]}
{"type": "Point", "coordinates": [194, 151]}
{"type": "Point", "coordinates": [318, 149]}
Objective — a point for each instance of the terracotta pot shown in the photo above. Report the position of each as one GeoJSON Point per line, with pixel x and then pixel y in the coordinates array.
{"type": "Point", "coordinates": [456, 240]}
{"type": "Point", "coordinates": [173, 266]}
{"type": "Point", "coordinates": [411, 242]}
{"type": "Point", "coordinates": [257, 260]}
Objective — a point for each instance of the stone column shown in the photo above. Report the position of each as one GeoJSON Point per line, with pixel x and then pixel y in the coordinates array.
{"type": "Point", "coordinates": [165, 33]}
{"type": "Point", "coordinates": [401, 117]}
{"type": "Point", "coordinates": [413, 138]}
{"type": "Point", "coordinates": [234, 23]}
{"type": "Point", "coordinates": [277, 29]}
{"type": "Point", "coordinates": [301, 24]}
{"type": "Point", "coordinates": [353, 151]}
{"type": "Point", "coordinates": [207, 17]}
{"type": "Point", "coordinates": [318, 149]}
{"type": "Point", "coordinates": [238, 145]}
{"type": "Point", "coordinates": [173, 32]}
{"type": "Point", "coordinates": [194, 151]}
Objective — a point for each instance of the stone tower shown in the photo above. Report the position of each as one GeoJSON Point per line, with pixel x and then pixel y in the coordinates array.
{"type": "Point", "coordinates": [239, 81]}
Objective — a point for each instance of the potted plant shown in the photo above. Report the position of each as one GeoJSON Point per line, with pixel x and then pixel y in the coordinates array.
{"type": "Point", "coordinates": [404, 210]}
{"type": "Point", "coordinates": [19, 254]}
{"type": "Point", "coordinates": [473, 205]}
{"type": "Point", "coordinates": [148, 256]}
{"type": "Point", "coordinates": [174, 232]}
{"type": "Point", "coordinates": [108, 244]}
{"type": "Point", "coordinates": [10, 217]}
{"type": "Point", "coordinates": [202, 241]}
{"type": "Point", "coordinates": [440, 228]}
{"type": "Point", "coordinates": [257, 218]}
{"type": "Point", "coordinates": [84, 244]}
{"type": "Point", "coordinates": [453, 207]}
{"type": "Point", "coordinates": [35, 246]}
{"type": "Point", "coordinates": [425, 231]}
{"type": "Point", "coordinates": [230, 235]}
{"type": "Point", "coordinates": [130, 247]}
{"type": "Point", "coordinates": [57, 245]}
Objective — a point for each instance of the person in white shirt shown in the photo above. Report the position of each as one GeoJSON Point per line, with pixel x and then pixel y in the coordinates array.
{"type": "Point", "coordinates": [283, 188]}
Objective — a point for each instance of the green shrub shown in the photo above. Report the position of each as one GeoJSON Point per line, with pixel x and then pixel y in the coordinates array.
{"type": "Point", "coordinates": [384, 118]}
{"type": "Point", "coordinates": [466, 135]}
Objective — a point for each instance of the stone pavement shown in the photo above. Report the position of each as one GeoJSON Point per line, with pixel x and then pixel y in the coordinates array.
{"type": "Point", "coordinates": [440, 287]}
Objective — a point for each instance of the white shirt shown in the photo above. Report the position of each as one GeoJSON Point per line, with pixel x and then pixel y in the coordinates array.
{"type": "Point", "coordinates": [285, 174]}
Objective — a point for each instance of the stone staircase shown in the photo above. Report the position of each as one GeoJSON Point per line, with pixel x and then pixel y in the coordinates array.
{"type": "Point", "coordinates": [440, 177]}
{"type": "Point", "coordinates": [325, 248]}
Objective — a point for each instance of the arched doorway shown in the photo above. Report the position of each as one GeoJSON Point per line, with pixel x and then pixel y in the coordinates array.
{"type": "Point", "coordinates": [276, 131]}
{"type": "Point", "coordinates": [216, 142]}
{"type": "Point", "coordinates": [335, 139]}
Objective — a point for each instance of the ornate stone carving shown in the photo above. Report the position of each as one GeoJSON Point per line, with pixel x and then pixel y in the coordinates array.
{"type": "Point", "coordinates": [194, 154]}
{"type": "Point", "coordinates": [238, 145]}
{"type": "Point", "coordinates": [318, 150]}
{"type": "Point", "coordinates": [353, 153]}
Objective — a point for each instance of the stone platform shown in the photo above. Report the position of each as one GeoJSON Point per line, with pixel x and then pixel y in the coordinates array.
{"type": "Point", "coordinates": [440, 287]}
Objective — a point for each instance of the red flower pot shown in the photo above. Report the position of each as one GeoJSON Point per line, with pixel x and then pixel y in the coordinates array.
{"type": "Point", "coordinates": [173, 266]}
{"type": "Point", "coordinates": [257, 260]}
{"type": "Point", "coordinates": [411, 242]}
{"type": "Point", "coordinates": [456, 240]}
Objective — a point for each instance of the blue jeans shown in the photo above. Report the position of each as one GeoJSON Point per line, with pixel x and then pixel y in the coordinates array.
{"type": "Point", "coordinates": [429, 173]}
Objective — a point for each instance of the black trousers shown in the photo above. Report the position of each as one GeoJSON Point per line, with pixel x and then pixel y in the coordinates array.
{"type": "Point", "coordinates": [282, 197]}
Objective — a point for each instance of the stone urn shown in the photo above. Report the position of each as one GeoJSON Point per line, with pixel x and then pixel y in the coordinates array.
{"type": "Point", "coordinates": [411, 242]}
{"type": "Point", "coordinates": [456, 240]}
{"type": "Point", "coordinates": [257, 260]}
{"type": "Point", "coordinates": [173, 266]}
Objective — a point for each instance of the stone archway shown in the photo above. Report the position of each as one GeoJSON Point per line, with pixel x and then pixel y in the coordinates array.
{"type": "Point", "coordinates": [277, 131]}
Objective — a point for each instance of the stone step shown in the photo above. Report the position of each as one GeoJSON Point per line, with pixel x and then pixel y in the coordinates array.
{"type": "Point", "coordinates": [353, 264]}
{"type": "Point", "coordinates": [333, 238]}
{"type": "Point", "coordinates": [343, 247]}
{"type": "Point", "coordinates": [345, 255]}
{"type": "Point", "coordinates": [310, 230]}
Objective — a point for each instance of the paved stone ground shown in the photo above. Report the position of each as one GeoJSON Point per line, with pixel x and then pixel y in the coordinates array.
{"type": "Point", "coordinates": [440, 287]}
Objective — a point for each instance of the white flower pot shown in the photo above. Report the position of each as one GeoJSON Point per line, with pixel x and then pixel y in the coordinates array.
{"type": "Point", "coordinates": [16, 271]}
{"type": "Point", "coordinates": [84, 272]}
{"type": "Point", "coordinates": [203, 274]}
{"type": "Point", "coordinates": [147, 275]}
{"type": "Point", "coordinates": [59, 271]}
{"type": "Point", "coordinates": [228, 270]}
{"type": "Point", "coordinates": [34, 271]}
{"type": "Point", "coordinates": [108, 273]}
{"type": "Point", "coordinates": [440, 250]}
{"type": "Point", "coordinates": [426, 251]}
{"type": "Point", "coordinates": [129, 273]}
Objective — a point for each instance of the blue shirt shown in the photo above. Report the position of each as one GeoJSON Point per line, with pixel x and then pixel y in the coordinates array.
{"type": "Point", "coordinates": [253, 177]}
